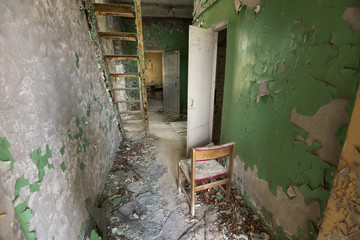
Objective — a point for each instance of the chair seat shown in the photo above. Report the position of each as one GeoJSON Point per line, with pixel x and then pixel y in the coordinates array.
{"type": "Point", "coordinates": [204, 170]}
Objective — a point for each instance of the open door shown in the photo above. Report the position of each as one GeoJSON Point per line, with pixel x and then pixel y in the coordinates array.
{"type": "Point", "coordinates": [201, 80]}
{"type": "Point", "coordinates": [171, 82]}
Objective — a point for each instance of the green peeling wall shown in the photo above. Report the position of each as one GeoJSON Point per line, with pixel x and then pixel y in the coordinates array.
{"type": "Point", "coordinates": [165, 35]}
{"type": "Point", "coordinates": [306, 56]}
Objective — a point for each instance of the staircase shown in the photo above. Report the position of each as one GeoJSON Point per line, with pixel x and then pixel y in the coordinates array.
{"type": "Point", "coordinates": [130, 98]}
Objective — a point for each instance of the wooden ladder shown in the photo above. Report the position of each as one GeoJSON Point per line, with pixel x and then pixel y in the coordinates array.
{"type": "Point", "coordinates": [127, 11]}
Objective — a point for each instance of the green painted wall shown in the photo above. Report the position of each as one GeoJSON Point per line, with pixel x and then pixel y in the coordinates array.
{"type": "Point", "coordinates": [321, 57]}
{"type": "Point", "coordinates": [168, 35]}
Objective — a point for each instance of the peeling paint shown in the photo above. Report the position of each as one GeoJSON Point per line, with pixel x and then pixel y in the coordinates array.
{"type": "Point", "coordinates": [41, 161]}
{"type": "Point", "coordinates": [6, 159]}
{"type": "Point", "coordinates": [322, 127]}
{"type": "Point", "coordinates": [311, 64]}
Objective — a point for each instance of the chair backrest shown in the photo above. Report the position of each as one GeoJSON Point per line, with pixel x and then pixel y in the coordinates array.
{"type": "Point", "coordinates": [214, 152]}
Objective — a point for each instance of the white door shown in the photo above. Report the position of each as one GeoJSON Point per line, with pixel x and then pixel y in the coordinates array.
{"type": "Point", "coordinates": [171, 82]}
{"type": "Point", "coordinates": [201, 80]}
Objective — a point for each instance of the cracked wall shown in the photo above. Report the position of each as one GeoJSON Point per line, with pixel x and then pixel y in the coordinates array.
{"type": "Point", "coordinates": [58, 132]}
{"type": "Point", "coordinates": [292, 69]}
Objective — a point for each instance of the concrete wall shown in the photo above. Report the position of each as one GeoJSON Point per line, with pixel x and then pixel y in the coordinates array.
{"type": "Point", "coordinates": [57, 128]}
{"type": "Point", "coordinates": [292, 70]}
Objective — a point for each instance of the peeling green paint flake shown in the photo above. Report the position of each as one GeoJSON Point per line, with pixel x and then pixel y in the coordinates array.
{"type": "Point", "coordinates": [79, 134]}
{"type": "Point", "coordinates": [35, 187]}
{"type": "Point", "coordinates": [91, 86]}
{"type": "Point", "coordinates": [41, 161]}
{"type": "Point", "coordinates": [20, 183]}
{"type": "Point", "coordinates": [82, 166]}
{"type": "Point", "coordinates": [84, 121]}
{"type": "Point", "coordinates": [77, 121]}
{"type": "Point", "coordinates": [340, 134]}
{"type": "Point", "coordinates": [94, 235]}
{"type": "Point", "coordinates": [88, 111]}
{"type": "Point", "coordinates": [69, 134]}
{"type": "Point", "coordinates": [77, 60]}
{"type": "Point", "coordinates": [315, 146]}
{"type": "Point", "coordinates": [319, 194]}
{"type": "Point", "coordinates": [63, 167]}
{"type": "Point", "coordinates": [79, 149]}
{"type": "Point", "coordinates": [24, 215]}
{"type": "Point", "coordinates": [299, 131]}
{"type": "Point", "coordinates": [62, 150]}
{"type": "Point", "coordinates": [50, 166]}
{"type": "Point", "coordinates": [116, 201]}
{"type": "Point", "coordinates": [85, 144]}
{"type": "Point", "coordinates": [6, 159]}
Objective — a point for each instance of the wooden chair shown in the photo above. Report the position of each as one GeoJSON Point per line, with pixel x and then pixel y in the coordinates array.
{"type": "Point", "coordinates": [204, 166]}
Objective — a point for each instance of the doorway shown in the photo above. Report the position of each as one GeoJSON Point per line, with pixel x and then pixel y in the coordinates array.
{"type": "Point", "coordinates": [203, 54]}
{"type": "Point", "coordinates": [219, 85]}
{"type": "Point", "coordinates": [162, 79]}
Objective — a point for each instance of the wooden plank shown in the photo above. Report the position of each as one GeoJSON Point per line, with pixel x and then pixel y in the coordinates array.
{"type": "Point", "coordinates": [121, 57]}
{"type": "Point", "coordinates": [120, 36]}
{"type": "Point", "coordinates": [125, 101]}
{"type": "Point", "coordinates": [210, 185]}
{"type": "Point", "coordinates": [123, 89]}
{"type": "Point", "coordinates": [124, 75]}
{"type": "Point", "coordinates": [208, 153]}
{"type": "Point", "coordinates": [185, 193]}
{"type": "Point", "coordinates": [131, 112]}
{"type": "Point", "coordinates": [118, 10]}
{"type": "Point", "coordinates": [186, 174]}
{"type": "Point", "coordinates": [133, 121]}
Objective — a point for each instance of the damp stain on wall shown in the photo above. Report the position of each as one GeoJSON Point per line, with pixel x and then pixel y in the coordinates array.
{"type": "Point", "coordinates": [288, 66]}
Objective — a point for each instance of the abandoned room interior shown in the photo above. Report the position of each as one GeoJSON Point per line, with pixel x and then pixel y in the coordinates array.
{"type": "Point", "coordinates": [101, 101]}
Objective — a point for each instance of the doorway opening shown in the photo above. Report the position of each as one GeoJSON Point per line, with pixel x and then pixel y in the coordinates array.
{"type": "Point", "coordinates": [219, 85]}
{"type": "Point", "coordinates": [154, 75]}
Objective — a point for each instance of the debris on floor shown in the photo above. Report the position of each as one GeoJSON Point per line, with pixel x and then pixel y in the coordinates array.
{"type": "Point", "coordinates": [235, 218]}
{"type": "Point", "coordinates": [141, 199]}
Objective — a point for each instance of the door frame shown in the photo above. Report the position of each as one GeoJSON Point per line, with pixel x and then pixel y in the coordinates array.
{"type": "Point", "coordinates": [217, 27]}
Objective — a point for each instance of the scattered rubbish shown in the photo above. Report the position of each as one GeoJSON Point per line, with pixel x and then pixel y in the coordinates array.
{"type": "Point", "coordinates": [2, 215]}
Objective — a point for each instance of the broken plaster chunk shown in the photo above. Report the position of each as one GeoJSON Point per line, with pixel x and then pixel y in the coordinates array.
{"type": "Point", "coordinates": [257, 9]}
{"type": "Point", "coordinates": [291, 192]}
{"type": "Point", "coordinates": [263, 90]}
{"type": "Point", "coordinates": [5, 166]}
{"type": "Point", "coordinates": [343, 173]}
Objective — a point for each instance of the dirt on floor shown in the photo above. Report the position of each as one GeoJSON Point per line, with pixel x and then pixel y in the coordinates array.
{"type": "Point", "coordinates": [141, 200]}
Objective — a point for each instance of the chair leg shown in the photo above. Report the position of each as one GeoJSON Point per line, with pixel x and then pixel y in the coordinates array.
{"type": "Point", "coordinates": [179, 178]}
{"type": "Point", "coordinates": [192, 200]}
{"type": "Point", "coordinates": [228, 188]}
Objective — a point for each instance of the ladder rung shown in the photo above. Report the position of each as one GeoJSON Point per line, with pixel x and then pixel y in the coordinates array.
{"type": "Point", "coordinates": [135, 131]}
{"type": "Point", "coordinates": [124, 101]}
{"type": "Point", "coordinates": [121, 57]}
{"type": "Point", "coordinates": [125, 74]}
{"type": "Point", "coordinates": [131, 112]}
{"type": "Point", "coordinates": [119, 89]}
{"type": "Point", "coordinates": [133, 121]}
{"type": "Point", "coordinates": [118, 10]}
{"type": "Point", "coordinates": [126, 36]}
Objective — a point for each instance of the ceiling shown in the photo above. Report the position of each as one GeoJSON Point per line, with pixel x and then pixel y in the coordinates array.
{"type": "Point", "coordinates": [164, 8]}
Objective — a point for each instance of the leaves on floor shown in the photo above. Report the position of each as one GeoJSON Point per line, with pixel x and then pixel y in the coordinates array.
{"type": "Point", "coordinates": [236, 220]}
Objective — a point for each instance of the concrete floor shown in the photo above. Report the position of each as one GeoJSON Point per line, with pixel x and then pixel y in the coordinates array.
{"type": "Point", "coordinates": [141, 189]}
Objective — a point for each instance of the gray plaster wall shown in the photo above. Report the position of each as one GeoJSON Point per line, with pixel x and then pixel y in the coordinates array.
{"type": "Point", "coordinates": [46, 100]}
